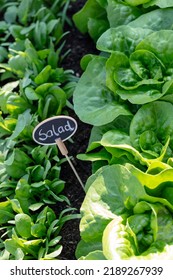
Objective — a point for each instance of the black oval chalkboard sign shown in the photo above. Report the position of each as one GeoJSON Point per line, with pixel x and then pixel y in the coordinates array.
{"type": "Point", "coordinates": [46, 132]}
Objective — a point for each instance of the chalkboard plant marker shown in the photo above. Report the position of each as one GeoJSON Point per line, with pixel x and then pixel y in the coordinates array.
{"type": "Point", "coordinates": [47, 131]}
{"type": "Point", "coordinates": [56, 130]}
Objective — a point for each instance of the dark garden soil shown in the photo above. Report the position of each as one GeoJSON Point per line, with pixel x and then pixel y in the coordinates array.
{"type": "Point", "coordinates": [80, 45]}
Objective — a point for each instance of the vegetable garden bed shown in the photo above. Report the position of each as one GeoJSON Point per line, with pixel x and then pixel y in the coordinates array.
{"type": "Point", "coordinates": [72, 191]}
{"type": "Point", "coordinates": [117, 82]}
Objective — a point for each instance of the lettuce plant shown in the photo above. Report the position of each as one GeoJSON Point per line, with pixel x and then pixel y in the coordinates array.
{"type": "Point", "coordinates": [138, 70]}
{"type": "Point", "coordinates": [97, 16]}
{"type": "Point", "coordinates": [100, 105]}
{"type": "Point", "coordinates": [142, 140]}
{"type": "Point", "coordinates": [126, 94]}
{"type": "Point", "coordinates": [120, 220]}
{"type": "Point", "coordinates": [134, 66]}
{"type": "Point", "coordinates": [146, 74]}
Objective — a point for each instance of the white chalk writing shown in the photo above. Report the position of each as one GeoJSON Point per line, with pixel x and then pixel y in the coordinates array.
{"type": "Point", "coordinates": [55, 131]}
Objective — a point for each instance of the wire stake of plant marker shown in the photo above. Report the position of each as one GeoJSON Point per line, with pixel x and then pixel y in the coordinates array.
{"type": "Point", "coordinates": [56, 130]}
{"type": "Point", "coordinates": [64, 152]}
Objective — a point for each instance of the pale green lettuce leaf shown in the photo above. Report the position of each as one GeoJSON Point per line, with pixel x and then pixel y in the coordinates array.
{"type": "Point", "coordinates": [122, 38]}
{"type": "Point", "coordinates": [159, 3]}
{"type": "Point", "coordinates": [156, 20]}
{"type": "Point", "coordinates": [114, 204]}
{"type": "Point", "coordinates": [119, 13]}
{"type": "Point", "coordinates": [118, 237]}
{"type": "Point", "coordinates": [152, 127]}
{"type": "Point", "coordinates": [116, 241]}
{"type": "Point", "coordinates": [160, 44]}
{"type": "Point", "coordinates": [136, 2]}
{"type": "Point", "coordinates": [113, 189]}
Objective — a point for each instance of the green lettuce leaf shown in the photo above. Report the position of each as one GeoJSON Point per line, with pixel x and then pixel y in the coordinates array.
{"type": "Point", "coordinates": [119, 13]}
{"type": "Point", "coordinates": [136, 2]}
{"type": "Point", "coordinates": [159, 3]}
{"type": "Point", "coordinates": [139, 68]}
{"type": "Point", "coordinates": [152, 127]}
{"type": "Point", "coordinates": [122, 220]}
{"type": "Point", "coordinates": [160, 44]}
{"type": "Point", "coordinates": [156, 20]}
{"type": "Point", "coordinates": [122, 38]}
{"type": "Point", "coordinates": [92, 18]}
{"type": "Point", "coordinates": [100, 105]}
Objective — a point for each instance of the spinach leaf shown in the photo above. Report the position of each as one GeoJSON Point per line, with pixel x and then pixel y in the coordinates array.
{"type": "Point", "coordinates": [34, 86]}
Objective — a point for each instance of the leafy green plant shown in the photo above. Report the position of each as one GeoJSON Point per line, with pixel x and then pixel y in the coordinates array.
{"type": "Point", "coordinates": [41, 22]}
{"type": "Point", "coordinates": [34, 235]}
{"type": "Point", "coordinates": [125, 74]}
{"type": "Point", "coordinates": [126, 222]}
{"type": "Point", "coordinates": [126, 94]}
{"type": "Point", "coordinates": [141, 141]}
{"type": "Point", "coordinates": [102, 106]}
{"type": "Point", "coordinates": [99, 15]}
{"type": "Point", "coordinates": [34, 87]}
{"type": "Point", "coordinates": [40, 83]}
{"type": "Point", "coordinates": [144, 84]}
